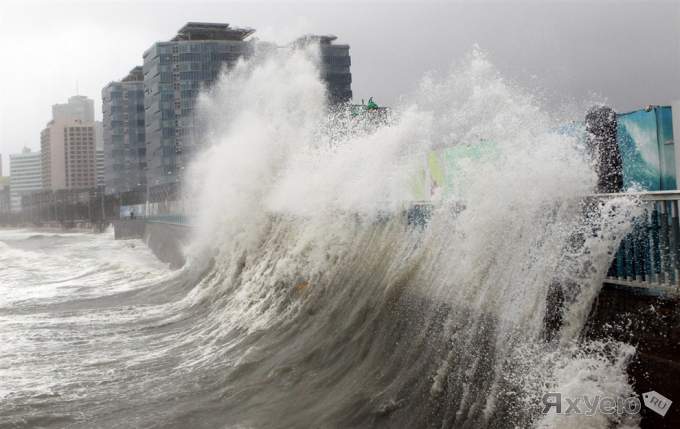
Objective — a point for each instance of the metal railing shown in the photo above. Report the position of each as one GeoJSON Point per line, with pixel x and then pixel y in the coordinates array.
{"type": "Point", "coordinates": [176, 219]}
{"type": "Point", "coordinates": [649, 257]}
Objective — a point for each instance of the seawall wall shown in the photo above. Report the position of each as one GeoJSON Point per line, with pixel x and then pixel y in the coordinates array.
{"type": "Point", "coordinates": [651, 322]}
{"type": "Point", "coordinates": [166, 240]}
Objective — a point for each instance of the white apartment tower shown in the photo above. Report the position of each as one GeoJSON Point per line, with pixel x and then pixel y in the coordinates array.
{"type": "Point", "coordinates": [25, 176]}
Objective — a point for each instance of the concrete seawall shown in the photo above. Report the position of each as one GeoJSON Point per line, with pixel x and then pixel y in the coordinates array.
{"type": "Point", "coordinates": [166, 240]}
{"type": "Point", "coordinates": [125, 229]}
{"type": "Point", "coordinates": [651, 322]}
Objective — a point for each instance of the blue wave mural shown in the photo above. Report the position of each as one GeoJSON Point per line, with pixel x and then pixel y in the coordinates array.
{"type": "Point", "coordinates": [645, 139]}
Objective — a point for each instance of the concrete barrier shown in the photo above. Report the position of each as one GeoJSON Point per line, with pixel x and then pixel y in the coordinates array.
{"type": "Point", "coordinates": [652, 324]}
{"type": "Point", "coordinates": [128, 228]}
{"type": "Point", "coordinates": [166, 240]}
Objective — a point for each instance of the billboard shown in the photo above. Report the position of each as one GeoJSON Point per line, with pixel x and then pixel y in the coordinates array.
{"type": "Point", "coordinates": [645, 140]}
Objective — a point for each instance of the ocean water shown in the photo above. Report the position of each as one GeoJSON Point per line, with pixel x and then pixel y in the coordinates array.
{"type": "Point", "coordinates": [307, 300]}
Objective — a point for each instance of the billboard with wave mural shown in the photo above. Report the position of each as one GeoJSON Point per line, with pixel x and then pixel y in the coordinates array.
{"type": "Point", "coordinates": [645, 139]}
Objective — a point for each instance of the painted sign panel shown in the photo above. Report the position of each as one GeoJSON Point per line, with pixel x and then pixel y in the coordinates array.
{"type": "Point", "coordinates": [443, 172]}
{"type": "Point", "coordinates": [645, 139]}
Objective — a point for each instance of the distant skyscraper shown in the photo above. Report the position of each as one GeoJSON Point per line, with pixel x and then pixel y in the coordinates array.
{"type": "Point", "coordinates": [4, 194]}
{"type": "Point", "coordinates": [99, 152]}
{"type": "Point", "coordinates": [124, 151]}
{"type": "Point", "coordinates": [174, 72]}
{"type": "Point", "coordinates": [78, 107]}
{"type": "Point", "coordinates": [100, 168]}
{"type": "Point", "coordinates": [25, 174]}
{"type": "Point", "coordinates": [335, 66]}
{"type": "Point", "coordinates": [99, 135]}
{"type": "Point", "coordinates": [68, 145]}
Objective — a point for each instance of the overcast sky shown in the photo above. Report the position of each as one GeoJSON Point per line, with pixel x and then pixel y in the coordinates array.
{"type": "Point", "coordinates": [625, 53]}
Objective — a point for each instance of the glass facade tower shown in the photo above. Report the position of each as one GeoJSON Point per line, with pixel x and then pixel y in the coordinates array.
{"type": "Point", "coordinates": [174, 73]}
{"type": "Point", "coordinates": [335, 66]}
{"type": "Point", "coordinates": [124, 152]}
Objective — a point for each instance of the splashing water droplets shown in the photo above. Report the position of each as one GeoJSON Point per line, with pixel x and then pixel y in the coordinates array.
{"type": "Point", "coordinates": [463, 301]}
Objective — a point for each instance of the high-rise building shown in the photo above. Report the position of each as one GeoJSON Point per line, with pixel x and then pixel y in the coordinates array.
{"type": "Point", "coordinates": [99, 135]}
{"type": "Point", "coordinates": [99, 152]}
{"type": "Point", "coordinates": [100, 168]}
{"type": "Point", "coordinates": [335, 65]}
{"type": "Point", "coordinates": [68, 145]}
{"type": "Point", "coordinates": [174, 73]}
{"type": "Point", "coordinates": [124, 151]}
{"type": "Point", "coordinates": [25, 174]}
{"type": "Point", "coordinates": [78, 107]}
{"type": "Point", "coordinates": [4, 194]}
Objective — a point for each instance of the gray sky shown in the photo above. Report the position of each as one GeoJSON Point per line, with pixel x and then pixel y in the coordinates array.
{"type": "Point", "coordinates": [626, 53]}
